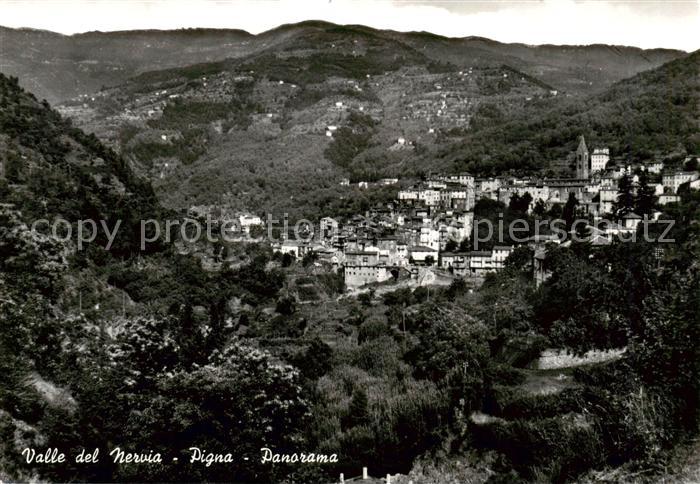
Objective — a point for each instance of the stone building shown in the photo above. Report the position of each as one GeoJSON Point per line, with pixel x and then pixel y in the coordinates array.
{"type": "Point", "coordinates": [582, 160]}
{"type": "Point", "coordinates": [360, 275]}
{"type": "Point", "coordinates": [455, 262]}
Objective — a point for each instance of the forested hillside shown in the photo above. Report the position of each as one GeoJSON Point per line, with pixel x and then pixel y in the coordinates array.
{"type": "Point", "coordinates": [53, 169]}
{"type": "Point", "coordinates": [333, 102]}
{"type": "Point", "coordinates": [649, 116]}
{"type": "Point", "coordinates": [97, 342]}
{"type": "Point", "coordinates": [259, 131]}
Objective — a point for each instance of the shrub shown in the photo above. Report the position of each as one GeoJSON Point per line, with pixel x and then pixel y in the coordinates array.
{"type": "Point", "coordinates": [378, 357]}
{"type": "Point", "coordinates": [372, 329]}
{"type": "Point", "coordinates": [285, 306]}
{"type": "Point", "coordinates": [558, 448]}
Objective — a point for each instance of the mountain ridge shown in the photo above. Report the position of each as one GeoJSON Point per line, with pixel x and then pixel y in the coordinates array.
{"type": "Point", "coordinates": [326, 24]}
{"type": "Point", "coordinates": [58, 66]}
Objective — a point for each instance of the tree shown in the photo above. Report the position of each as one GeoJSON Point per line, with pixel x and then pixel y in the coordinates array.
{"type": "Point", "coordinates": [316, 360]}
{"type": "Point", "coordinates": [287, 259]}
{"type": "Point", "coordinates": [146, 346]}
{"type": "Point", "coordinates": [540, 208]}
{"type": "Point", "coordinates": [520, 204]}
{"type": "Point", "coordinates": [514, 202]}
{"type": "Point", "coordinates": [625, 196]}
{"type": "Point", "coordinates": [555, 212]}
{"type": "Point", "coordinates": [190, 338]}
{"type": "Point", "coordinates": [447, 337]}
{"type": "Point", "coordinates": [285, 306]}
{"type": "Point", "coordinates": [14, 167]}
{"type": "Point", "coordinates": [580, 305]}
{"type": "Point", "coordinates": [399, 297]}
{"type": "Point", "coordinates": [309, 258]}
{"type": "Point", "coordinates": [451, 246]}
{"type": "Point", "coordinates": [520, 261]}
{"type": "Point", "coordinates": [358, 411]}
{"type": "Point", "coordinates": [257, 231]}
{"type": "Point", "coordinates": [238, 402]}
{"type": "Point", "coordinates": [645, 199]}
{"type": "Point", "coordinates": [583, 233]}
{"type": "Point", "coordinates": [366, 297]}
{"type": "Point", "coordinates": [504, 300]}
{"type": "Point", "coordinates": [665, 349]}
{"type": "Point", "coordinates": [569, 211]}
{"type": "Point", "coordinates": [456, 287]}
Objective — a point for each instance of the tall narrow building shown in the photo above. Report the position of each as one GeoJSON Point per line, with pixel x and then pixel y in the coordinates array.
{"type": "Point", "coordinates": [599, 159]}
{"type": "Point", "coordinates": [582, 160]}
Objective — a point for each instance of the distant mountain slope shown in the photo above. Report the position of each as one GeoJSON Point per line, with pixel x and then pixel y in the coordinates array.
{"type": "Point", "coordinates": [651, 115]}
{"type": "Point", "coordinates": [275, 128]}
{"type": "Point", "coordinates": [58, 67]}
{"type": "Point", "coordinates": [571, 68]}
{"type": "Point", "coordinates": [263, 130]}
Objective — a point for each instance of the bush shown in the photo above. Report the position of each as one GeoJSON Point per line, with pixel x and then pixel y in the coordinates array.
{"type": "Point", "coordinates": [514, 403]}
{"type": "Point", "coordinates": [558, 449]}
{"type": "Point", "coordinates": [285, 306]}
{"type": "Point", "coordinates": [378, 357]}
{"type": "Point", "coordinates": [372, 329]}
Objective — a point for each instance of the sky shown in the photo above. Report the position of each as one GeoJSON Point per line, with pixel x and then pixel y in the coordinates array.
{"type": "Point", "coordinates": [642, 23]}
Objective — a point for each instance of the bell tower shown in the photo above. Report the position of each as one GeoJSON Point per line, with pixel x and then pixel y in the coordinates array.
{"type": "Point", "coordinates": [582, 160]}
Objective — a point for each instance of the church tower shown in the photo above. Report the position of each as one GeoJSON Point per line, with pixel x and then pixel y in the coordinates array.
{"type": "Point", "coordinates": [582, 160]}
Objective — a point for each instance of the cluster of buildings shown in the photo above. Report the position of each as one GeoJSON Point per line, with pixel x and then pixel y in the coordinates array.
{"type": "Point", "coordinates": [475, 262]}
{"type": "Point", "coordinates": [396, 239]}
{"type": "Point", "coordinates": [595, 185]}
{"type": "Point", "coordinates": [233, 222]}
{"type": "Point", "coordinates": [423, 226]}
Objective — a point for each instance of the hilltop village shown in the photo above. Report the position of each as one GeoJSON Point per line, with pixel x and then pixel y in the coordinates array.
{"type": "Point", "coordinates": [428, 231]}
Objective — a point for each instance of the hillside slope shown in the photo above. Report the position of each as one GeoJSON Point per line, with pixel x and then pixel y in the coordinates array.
{"type": "Point", "coordinates": [570, 68]}
{"type": "Point", "coordinates": [57, 67]}
{"type": "Point", "coordinates": [51, 169]}
{"type": "Point", "coordinates": [275, 128]}
{"type": "Point", "coordinates": [280, 128]}
{"type": "Point", "coordinates": [82, 332]}
{"type": "Point", "coordinates": [649, 116]}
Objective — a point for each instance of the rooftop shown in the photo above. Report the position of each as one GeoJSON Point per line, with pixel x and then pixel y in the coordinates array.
{"type": "Point", "coordinates": [421, 248]}
{"type": "Point", "coordinates": [361, 253]}
{"type": "Point", "coordinates": [295, 243]}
